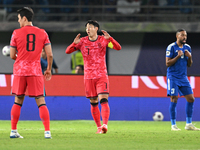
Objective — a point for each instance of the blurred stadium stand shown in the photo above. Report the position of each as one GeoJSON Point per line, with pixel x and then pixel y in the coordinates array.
{"type": "Point", "coordinates": [122, 15]}
{"type": "Point", "coordinates": [140, 26]}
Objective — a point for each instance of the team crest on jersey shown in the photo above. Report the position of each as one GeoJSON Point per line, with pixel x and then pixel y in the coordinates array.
{"type": "Point", "coordinates": [167, 53]}
{"type": "Point", "coordinates": [99, 45]}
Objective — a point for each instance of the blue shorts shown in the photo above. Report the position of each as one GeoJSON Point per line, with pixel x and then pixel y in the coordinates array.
{"type": "Point", "coordinates": [181, 87]}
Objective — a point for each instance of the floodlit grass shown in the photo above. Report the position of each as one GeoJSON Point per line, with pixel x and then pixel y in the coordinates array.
{"type": "Point", "coordinates": [121, 135]}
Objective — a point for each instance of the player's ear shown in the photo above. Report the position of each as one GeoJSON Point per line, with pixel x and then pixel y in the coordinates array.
{"type": "Point", "coordinates": [97, 29]}
{"type": "Point", "coordinates": [177, 34]}
{"type": "Point", "coordinates": [24, 18]}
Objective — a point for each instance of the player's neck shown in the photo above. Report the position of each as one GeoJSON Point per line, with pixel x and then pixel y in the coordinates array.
{"type": "Point", "coordinates": [179, 44]}
{"type": "Point", "coordinates": [93, 38]}
{"type": "Point", "coordinates": [28, 24]}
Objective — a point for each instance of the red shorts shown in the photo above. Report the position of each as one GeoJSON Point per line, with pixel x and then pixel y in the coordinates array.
{"type": "Point", "coordinates": [35, 85]}
{"type": "Point", "coordinates": [94, 87]}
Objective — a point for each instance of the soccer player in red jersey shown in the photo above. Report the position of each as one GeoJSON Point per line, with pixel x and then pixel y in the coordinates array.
{"type": "Point", "coordinates": [25, 48]}
{"type": "Point", "coordinates": [93, 49]}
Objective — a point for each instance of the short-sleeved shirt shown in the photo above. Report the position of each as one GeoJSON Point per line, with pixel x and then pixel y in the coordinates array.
{"type": "Point", "coordinates": [179, 69]}
{"type": "Point", "coordinates": [29, 42]}
{"type": "Point", "coordinates": [94, 56]}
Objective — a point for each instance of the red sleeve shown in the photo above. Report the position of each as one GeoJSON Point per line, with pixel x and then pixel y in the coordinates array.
{"type": "Point", "coordinates": [116, 45]}
{"type": "Point", "coordinates": [13, 41]}
{"type": "Point", "coordinates": [71, 48]}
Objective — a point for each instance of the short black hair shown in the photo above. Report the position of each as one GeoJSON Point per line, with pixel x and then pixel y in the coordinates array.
{"type": "Point", "coordinates": [180, 30]}
{"type": "Point", "coordinates": [27, 12]}
{"type": "Point", "coordinates": [93, 22]}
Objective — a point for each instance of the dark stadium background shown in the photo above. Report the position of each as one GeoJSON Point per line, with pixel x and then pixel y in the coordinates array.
{"type": "Point", "coordinates": [144, 36]}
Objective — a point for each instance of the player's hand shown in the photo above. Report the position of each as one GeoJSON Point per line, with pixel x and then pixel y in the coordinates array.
{"type": "Point", "coordinates": [105, 34]}
{"type": "Point", "coordinates": [47, 75]}
{"type": "Point", "coordinates": [187, 53]}
{"type": "Point", "coordinates": [77, 39]}
{"type": "Point", "coordinates": [180, 53]}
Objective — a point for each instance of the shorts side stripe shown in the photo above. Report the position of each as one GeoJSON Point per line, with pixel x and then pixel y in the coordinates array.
{"type": "Point", "coordinates": [168, 81]}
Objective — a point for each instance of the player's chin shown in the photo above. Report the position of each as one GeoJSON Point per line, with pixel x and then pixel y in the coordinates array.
{"type": "Point", "coordinates": [183, 42]}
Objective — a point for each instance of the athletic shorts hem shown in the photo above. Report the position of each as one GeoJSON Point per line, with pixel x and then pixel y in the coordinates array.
{"type": "Point", "coordinates": [36, 96]}
{"type": "Point", "coordinates": [103, 93]}
{"type": "Point", "coordinates": [18, 95]}
{"type": "Point", "coordinates": [92, 97]}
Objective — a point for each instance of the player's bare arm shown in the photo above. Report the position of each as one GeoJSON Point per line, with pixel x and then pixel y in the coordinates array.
{"type": "Point", "coordinates": [13, 53]}
{"type": "Point", "coordinates": [171, 61]}
{"type": "Point", "coordinates": [188, 54]}
{"type": "Point", "coordinates": [49, 54]}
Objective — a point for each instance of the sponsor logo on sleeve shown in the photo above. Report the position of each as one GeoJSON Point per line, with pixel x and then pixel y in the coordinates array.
{"type": "Point", "coordinates": [167, 53]}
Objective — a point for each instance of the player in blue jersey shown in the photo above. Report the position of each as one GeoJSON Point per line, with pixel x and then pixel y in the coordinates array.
{"type": "Point", "coordinates": [178, 58]}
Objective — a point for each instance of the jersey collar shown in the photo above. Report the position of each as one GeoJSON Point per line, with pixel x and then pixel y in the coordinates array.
{"type": "Point", "coordinates": [93, 40]}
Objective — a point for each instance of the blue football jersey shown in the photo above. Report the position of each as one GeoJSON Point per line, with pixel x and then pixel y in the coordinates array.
{"type": "Point", "coordinates": [179, 69]}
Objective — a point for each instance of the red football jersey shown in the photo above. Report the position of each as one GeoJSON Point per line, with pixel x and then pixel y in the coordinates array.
{"type": "Point", "coordinates": [29, 42]}
{"type": "Point", "coordinates": [93, 55]}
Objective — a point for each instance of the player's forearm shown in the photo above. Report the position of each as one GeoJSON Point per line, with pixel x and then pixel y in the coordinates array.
{"type": "Point", "coordinates": [50, 62]}
{"type": "Point", "coordinates": [71, 48]}
{"type": "Point", "coordinates": [189, 62]}
{"type": "Point", "coordinates": [170, 62]}
{"type": "Point", "coordinates": [116, 45]}
{"type": "Point", "coordinates": [13, 57]}
{"type": "Point", "coordinates": [13, 53]}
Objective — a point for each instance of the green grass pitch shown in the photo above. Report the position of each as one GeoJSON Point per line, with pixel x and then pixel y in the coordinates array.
{"type": "Point", "coordinates": [80, 135]}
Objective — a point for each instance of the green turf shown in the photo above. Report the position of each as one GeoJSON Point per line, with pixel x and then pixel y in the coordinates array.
{"type": "Point", "coordinates": [121, 135]}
